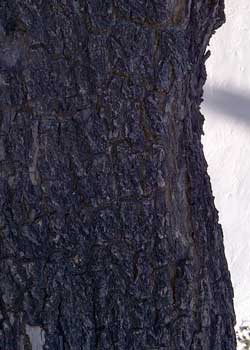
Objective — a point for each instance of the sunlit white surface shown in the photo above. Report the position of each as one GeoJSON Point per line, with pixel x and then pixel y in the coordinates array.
{"type": "Point", "coordinates": [227, 142]}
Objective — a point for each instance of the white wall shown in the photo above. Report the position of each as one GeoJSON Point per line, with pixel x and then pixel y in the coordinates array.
{"type": "Point", "coordinates": [226, 142]}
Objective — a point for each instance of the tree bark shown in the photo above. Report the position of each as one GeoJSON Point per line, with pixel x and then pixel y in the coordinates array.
{"type": "Point", "coordinates": [109, 238]}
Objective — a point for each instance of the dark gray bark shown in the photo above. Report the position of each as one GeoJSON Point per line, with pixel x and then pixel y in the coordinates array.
{"type": "Point", "coordinates": [109, 235]}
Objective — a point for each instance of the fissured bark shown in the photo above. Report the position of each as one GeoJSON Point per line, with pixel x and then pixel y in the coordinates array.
{"type": "Point", "coordinates": [109, 238]}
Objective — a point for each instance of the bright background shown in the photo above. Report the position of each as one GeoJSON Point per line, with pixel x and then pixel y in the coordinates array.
{"type": "Point", "coordinates": [226, 142]}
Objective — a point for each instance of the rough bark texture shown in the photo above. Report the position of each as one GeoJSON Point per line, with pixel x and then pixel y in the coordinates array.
{"type": "Point", "coordinates": [109, 235]}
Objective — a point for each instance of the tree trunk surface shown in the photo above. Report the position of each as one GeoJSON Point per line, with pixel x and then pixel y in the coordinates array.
{"type": "Point", "coordinates": [109, 238]}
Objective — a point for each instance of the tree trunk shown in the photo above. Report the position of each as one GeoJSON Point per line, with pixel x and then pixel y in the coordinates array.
{"type": "Point", "coordinates": [109, 235]}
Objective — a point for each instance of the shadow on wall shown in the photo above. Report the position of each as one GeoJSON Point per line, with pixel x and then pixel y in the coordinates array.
{"type": "Point", "coordinates": [234, 104]}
